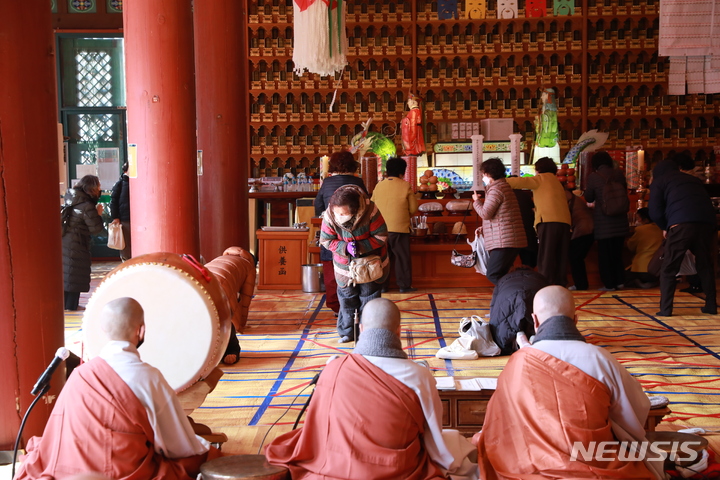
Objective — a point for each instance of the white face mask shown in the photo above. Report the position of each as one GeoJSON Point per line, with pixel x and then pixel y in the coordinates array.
{"type": "Point", "coordinates": [343, 218]}
{"type": "Point", "coordinates": [486, 181]}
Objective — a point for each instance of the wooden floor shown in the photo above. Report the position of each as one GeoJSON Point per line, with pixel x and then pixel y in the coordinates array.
{"type": "Point", "coordinates": [291, 334]}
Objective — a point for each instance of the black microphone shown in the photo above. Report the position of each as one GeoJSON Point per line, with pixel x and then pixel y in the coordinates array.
{"type": "Point", "coordinates": [60, 356]}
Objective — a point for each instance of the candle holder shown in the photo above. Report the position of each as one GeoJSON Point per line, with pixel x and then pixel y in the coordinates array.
{"type": "Point", "coordinates": [641, 192]}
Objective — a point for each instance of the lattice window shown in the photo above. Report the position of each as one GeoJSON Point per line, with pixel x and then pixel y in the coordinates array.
{"type": "Point", "coordinates": [94, 128]}
{"type": "Point", "coordinates": [94, 78]}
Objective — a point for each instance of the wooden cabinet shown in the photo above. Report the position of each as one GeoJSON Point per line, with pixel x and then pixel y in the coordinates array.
{"type": "Point", "coordinates": [464, 410]}
{"type": "Point", "coordinates": [432, 268]}
{"type": "Point", "coordinates": [282, 255]}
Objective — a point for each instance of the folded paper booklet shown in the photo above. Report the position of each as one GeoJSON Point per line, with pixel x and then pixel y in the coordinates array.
{"type": "Point", "coordinates": [466, 384]}
{"type": "Point", "coordinates": [445, 383]}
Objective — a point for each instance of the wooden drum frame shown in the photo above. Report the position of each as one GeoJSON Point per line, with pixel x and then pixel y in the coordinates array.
{"type": "Point", "coordinates": [187, 315]}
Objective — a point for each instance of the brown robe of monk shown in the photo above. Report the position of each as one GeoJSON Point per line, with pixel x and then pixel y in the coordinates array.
{"type": "Point", "coordinates": [99, 425]}
{"type": "Point", "coordinates": [543, 405]}
{"type": "Point", "coordinates": [361, 424]}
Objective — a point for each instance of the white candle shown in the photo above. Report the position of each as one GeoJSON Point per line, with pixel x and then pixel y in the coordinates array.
{"type": "Point", "coordinates": [324, 166]}
{"type": "Point", "coordinates": [477, 156]}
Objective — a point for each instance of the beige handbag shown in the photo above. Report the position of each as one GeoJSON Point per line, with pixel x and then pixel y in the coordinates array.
{"type": "Point", "coordinates": [365, 269]}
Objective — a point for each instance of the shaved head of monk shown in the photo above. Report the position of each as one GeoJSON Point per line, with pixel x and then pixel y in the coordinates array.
{"type": "Point", "coordinates": [553, 301]}
{"type": "Point", "coordinates": [123, 319]}
{"type": "Point", "coordinates": [381, 313]}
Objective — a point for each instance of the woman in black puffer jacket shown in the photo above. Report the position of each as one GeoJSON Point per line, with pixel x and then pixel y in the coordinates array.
{"type": "Point", "coordinates": [80, 219]}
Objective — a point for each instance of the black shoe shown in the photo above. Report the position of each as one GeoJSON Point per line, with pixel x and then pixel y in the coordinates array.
{"type": "Point", "coordinates": [691, 290]}
{"type": "Point", "coordinates": [385, 290]}
{"type": "Point", "coordinates": [408, 290]}
{"type": "Point", "coordinates": [709, 310]}
{"type": "Point", "coordinates": [663, 314]}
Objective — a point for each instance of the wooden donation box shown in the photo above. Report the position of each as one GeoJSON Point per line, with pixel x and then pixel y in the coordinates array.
{"type": "Point", "coordinates": [282, 254]}
{"type": "Point", "coordinates": [464, 409]}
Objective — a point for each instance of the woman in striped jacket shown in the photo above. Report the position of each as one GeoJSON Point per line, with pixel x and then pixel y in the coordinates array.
{"type": "Point", "coordinates": [352, 228]}
{"type": "Point", "coordinates": [502, 224]}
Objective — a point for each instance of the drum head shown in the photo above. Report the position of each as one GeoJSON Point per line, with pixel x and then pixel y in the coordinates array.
{"type": "Point", "coordinates": [242, 467]}
{"type": "Point", "coordinates": [184, 334]}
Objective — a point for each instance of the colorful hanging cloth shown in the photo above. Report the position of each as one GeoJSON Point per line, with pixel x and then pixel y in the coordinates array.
{"type": "Point", "coordinates": [320, 42]}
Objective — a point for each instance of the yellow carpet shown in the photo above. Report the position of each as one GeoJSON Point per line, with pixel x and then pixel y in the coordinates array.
{"type": "Point", "coordinates": [291, 335]}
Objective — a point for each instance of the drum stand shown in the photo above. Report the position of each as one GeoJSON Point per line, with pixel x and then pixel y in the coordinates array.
{"type": "Point", "coordinates": [193, 397]}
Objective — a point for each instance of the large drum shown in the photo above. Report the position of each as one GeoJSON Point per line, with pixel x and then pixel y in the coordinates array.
{"type": "Point", "coordinates": [187, 315]}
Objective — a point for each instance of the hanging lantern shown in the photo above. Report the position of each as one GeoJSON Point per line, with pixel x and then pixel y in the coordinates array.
{"type": "Point", "coordinates": [320, 42]}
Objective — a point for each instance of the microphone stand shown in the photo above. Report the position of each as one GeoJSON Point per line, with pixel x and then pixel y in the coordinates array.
{"type": "Point", "coordinates": [302, 410]}
{"type": "Point", "coordinates": [44, 390]}
{"type": "Point", "coordinates": [307, 402]}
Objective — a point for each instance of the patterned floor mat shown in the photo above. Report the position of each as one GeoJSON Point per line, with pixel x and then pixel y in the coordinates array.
{"type": "Point", "coordinates": [290, 336]}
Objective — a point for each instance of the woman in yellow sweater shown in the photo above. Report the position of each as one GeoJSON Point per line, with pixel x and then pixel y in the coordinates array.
{"type": "Point", "coordinates": [644, 243]}
{"type": "Point", "coordinates": [552, 219]}
{"type": "Point", "coordinates": [396, 201]}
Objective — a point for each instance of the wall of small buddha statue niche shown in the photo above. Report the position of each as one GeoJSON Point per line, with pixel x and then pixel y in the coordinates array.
{"type": "Point", "coordinates": [602, 61]}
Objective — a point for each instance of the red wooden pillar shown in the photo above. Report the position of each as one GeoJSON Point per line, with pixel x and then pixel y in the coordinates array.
{"type": "Point", "coordinates": [160, 87]}
{"type": "Point", "coordinates": [222, 76]}
{"type": "Point", "coordinates": [31, 298]}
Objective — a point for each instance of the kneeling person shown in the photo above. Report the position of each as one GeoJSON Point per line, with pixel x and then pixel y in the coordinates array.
{"type": "Point", "coordinates": [117, 415]}
{"type": "Point", "coordinates": [511, 307]}
{"type": "Point", "coordinates": [374, 414]}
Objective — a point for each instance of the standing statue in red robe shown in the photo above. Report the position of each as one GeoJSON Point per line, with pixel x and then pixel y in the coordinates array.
{"type": "Point", "coordinates": [412, 132]}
